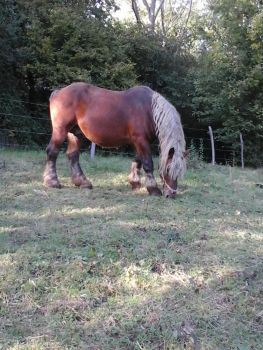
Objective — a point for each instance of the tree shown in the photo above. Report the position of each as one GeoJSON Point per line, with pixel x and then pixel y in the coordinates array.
{"type": "Point", "coordinates": [55, 43]}
{"type": "Point", "coordinates": [229, 81]}
{"type": "Point", "coordinates": [77, 42]}
{"type": "Point", "coordinates": [153, 9]}
{"type": "Point", "coordinates": [8, 42]}
{"type": "Point", "coordinates": [162, 67]}
{"type": "Point", "coordinates": [162, 15]}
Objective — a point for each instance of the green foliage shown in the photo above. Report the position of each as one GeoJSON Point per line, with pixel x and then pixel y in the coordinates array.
{"type": "Point", "coordinates": [74, 48]}
{"type": "Point", "coordinates": [211, 72]}
{"type": "Point", "coordinates": [195, 159]}
{"type": "Point", "coordinates": [159, 63]}
{"type": "Point", "coordinates": [162, 64]}
{"type": "Point", "coordinates": [52, 44]}
{"type": "Point", "coordinates": [8, 27]}
{"type": "Point", "coordinates": [229, 79]}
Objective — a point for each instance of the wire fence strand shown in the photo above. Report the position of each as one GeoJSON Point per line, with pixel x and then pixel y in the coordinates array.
{"type": "Point", "coordinates": [24, 116]}
{"type": "Point", "coordinates": [29, 116]}
{"type": "Point", "coordinates": [8, 138]}
{"type": "Point", "coordinates": [24, 102]}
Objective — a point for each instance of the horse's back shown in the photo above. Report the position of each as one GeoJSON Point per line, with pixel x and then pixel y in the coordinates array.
{"type": "Point", "coordinates": [104, 114]}
{"type": "Point", "coordinates": [79, 90]}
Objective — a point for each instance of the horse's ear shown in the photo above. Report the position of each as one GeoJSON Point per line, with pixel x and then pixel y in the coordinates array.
{"type": "Point", "coordinates": [186, 153]}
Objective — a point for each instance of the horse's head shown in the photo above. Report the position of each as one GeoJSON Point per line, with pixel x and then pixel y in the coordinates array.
{"type": "Point", "coordinates": [169, 181]}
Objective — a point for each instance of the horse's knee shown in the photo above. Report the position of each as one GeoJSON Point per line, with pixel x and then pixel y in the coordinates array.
{"type": "Point", "coordinates": [147, 164]}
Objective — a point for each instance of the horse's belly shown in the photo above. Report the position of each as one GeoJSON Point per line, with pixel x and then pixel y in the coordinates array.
{"type": "Point", "coordinates": [105, 141]}
{"type": "Point", "coordinates": [105, 134]}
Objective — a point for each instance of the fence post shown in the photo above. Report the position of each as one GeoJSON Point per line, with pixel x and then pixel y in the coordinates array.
{"type": "Point", "coordinates": [233, 158]}
{"type": "Point", "coordinates": [212, 144]}
{"type": "Point", "coordinates": [242, 150]}
{"type": "Point", "coordinates": [92, 151]}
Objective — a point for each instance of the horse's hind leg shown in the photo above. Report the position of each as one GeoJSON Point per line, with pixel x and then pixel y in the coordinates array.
{"type": "Point", "coordinates": [50, 174]}
{"type": "Point", "coordinates": [134, 176]}
{"type": "Point", "coordinates": [77, 175]}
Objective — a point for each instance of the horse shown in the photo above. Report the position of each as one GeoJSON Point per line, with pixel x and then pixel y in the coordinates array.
{"type": "Point", "coordinates": [112, 119]}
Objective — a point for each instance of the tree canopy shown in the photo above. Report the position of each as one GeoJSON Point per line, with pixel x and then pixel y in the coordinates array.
{"type": "Point", "coordinates": [208, 63]}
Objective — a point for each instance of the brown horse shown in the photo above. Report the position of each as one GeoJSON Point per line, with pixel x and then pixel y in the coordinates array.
{"type": "Point", "coordinates": [112, 119]}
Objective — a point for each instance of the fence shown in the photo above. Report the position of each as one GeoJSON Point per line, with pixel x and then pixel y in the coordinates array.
{"type": "Point", "coordinates": [205, 145]}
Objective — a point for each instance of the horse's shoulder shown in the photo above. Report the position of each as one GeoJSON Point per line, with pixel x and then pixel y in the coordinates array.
{"type": "Point", "coordinates": [140, 87]}
{"type": "Point", "coordinates": [141, 90]}
{"type": "Point", "coordinates": [80, 85]}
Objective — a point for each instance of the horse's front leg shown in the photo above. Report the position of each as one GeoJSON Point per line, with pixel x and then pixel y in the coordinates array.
{"type": "Point", "coordinates": [134, 176]}
{"type": "Point", "coordinates": [144, 152]}
{"type": "Point", "coordinates": [150, 181]}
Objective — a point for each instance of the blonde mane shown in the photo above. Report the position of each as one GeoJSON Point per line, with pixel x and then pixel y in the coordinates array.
{"type": "Point", "coordinates": [171, 136]}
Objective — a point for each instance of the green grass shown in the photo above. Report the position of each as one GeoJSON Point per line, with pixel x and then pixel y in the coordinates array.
{"type": "Point", "coordinates": [116, 269]}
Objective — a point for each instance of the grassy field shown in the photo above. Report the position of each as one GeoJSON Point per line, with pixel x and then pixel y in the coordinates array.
{"type": "Point", "coordinates": [116, 269]}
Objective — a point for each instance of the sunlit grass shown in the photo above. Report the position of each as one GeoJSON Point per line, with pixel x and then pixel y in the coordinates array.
{"type": "Point", "coordinates": [115, 269]}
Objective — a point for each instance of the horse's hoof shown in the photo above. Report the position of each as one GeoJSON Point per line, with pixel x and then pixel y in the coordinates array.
{"type": "Point", "coordinates": [135, 185]}
{"type": "Point", "coordinates": [52, 184]}
{"type": "Point", "coordinates": [86, 185]}
{"type": "Point", "coordinates": [154, 191]}
{"type": "Point", "coordinates": [81, 182]}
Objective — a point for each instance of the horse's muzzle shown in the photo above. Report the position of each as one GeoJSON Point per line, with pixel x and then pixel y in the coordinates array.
{"type": "Point", "coordinates": [170, 195]}
{"type": "Point", "coordinates": [168, 191]}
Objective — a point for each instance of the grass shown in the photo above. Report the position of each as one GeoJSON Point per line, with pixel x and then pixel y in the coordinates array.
{"type": "Point", "coordinates": [116, 269]}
